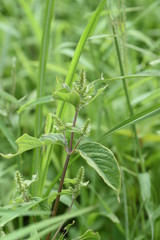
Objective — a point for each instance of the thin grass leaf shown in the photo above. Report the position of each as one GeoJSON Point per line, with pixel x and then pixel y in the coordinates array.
{"type": "Point", "coordinates": [87, 32]}
{"type": "Point", "coordinates": [146, 74]}
{"type": "Point", "coordinates": [9, 29]}
{"type": "Point", "coordinates": [8, 97]}
{"type": "Point", "coordinates": [51, 67]}
{"type": "Point", "coordinates": [48, 225]}
{"type": "Point", "coordinates": [43, 61]}
{"type": "Point", "coordinates": [41, 79]}
{"type": "Point", "coordinates": [144, 13]}
{"type": "Point", "coordinates": [31, 19]}
{"type": "Point", "coordinates": [34, 102]}
{"type": "Point", "coordinates": [8, 214]}
{"type": "Point", "coordinates": [9, 136]}
{"type": "Point", "coordinates": [150, 112]}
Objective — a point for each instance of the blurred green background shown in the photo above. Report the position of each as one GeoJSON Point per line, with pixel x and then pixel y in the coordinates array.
{"type": "Point", "coordinates": [21, 26]}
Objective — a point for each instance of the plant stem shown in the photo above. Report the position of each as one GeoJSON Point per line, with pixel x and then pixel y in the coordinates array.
{"type": "Point", "coordinates": [125, 205]}
{"type": "Point", "coordinates": [41, 83]}
{"type": "Point", "coordinates": [58, 230]}
{"type": "Point", "coordinates": [72, 68]}
{"type": "Point", "coordinates": [128, 99]}
{"type": "Point", "coordinates": [57, 177]}
{"type": "Point", "coordinates": [27, 200]}
{"type": "Point", "coordinates": [55, 206]}
{"type": "Point", "coordinates": [54, 211]}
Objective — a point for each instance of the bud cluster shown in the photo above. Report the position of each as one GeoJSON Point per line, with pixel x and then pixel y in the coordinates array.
{"type": "Point", "coordinates": [78, 183]}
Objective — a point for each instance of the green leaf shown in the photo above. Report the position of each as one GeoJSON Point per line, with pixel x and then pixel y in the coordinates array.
{"type": "Point", "coordinates": [8, 214]}
{"type": "Point", "coordinates": [66, 95]}
{"type": "Point", "coordinates": [49, 123]}
{"type": "Point", "coordinates": [150, 112]}
{"type": "Point", "coordinates": [93, 90]}
{"type": "Point", "coordinates": [80, 46]}
{"type": "Point", "coordinates": [26, 142]}
{"type": "Point", "coordinates": [89, 234]}
{"type": "Point", "coordinates": [103, 161]}
{"type": "Point", "coordinates": [77, 54]}
{"type": "Point", "coordinates": [41, 83]}
{"type": "Point", "coordinates": [49, 10]}
{"type": "Point", "coordinates": [8, 134]}
{"type": "Point", "coordinates": [145, 74]}
{"type": "Point", "coordinates": [53, 195]}
{"type": "Point", "coordinates": [29, 182]}
{"type": "Point", "coordinates": [50, 66]}
{"type": "Point", "coordinates": [45, 226]}
{"type": "Point", "coordinates": [8, 97]}
{"type": "Point", "coordinates": [66, 230]}
{"type": "Point", "coordinates": [53, 138]}
{"type": "Point", "coordinates": [106, 210]}
{"type": "Point", "coordinates": [99, 92]}
{"type": "Point", "coordinates": [145, 186]}
{"type": "Point", "coordinates": [96, 88]}
{"type": "Point", "coordinates": [34, 102]}
{"type": "Point", "coordinates": [35, 27]}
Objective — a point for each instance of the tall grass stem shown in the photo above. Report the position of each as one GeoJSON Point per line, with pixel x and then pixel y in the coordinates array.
{"type": "Point", "coordinates": [41, 78]}
{"type": "Point", "coordinates": [125, 87]}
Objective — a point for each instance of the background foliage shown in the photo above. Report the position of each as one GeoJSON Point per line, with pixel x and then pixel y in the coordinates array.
{"type": "Point", "coordinates": [137, 29]}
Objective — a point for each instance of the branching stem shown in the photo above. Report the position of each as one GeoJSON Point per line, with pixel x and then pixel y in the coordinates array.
{"type": "Point", "coordinates": [55, 206]}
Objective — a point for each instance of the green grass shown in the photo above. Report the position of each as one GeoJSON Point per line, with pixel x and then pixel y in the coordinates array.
{"type": "Point", "coordinates": [41, 41]}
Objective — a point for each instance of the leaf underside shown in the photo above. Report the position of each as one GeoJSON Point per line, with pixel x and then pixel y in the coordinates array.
{"type": "Point", "coordinates": [103, 161]}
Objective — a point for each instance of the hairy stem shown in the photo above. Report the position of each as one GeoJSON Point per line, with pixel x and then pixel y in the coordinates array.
{"type": "Point", "coordinates": [55, 206]}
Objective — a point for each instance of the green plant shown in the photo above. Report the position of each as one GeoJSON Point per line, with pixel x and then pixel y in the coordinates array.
{"type": "Point", "coordinates": [117, 40]}
{"type": "Point", "coordinates": [97, 156]}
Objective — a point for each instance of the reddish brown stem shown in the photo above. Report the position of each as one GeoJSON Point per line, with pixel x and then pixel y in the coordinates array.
{"type": "Point", "coordinates": [58, 230]}
{"type": "Point", "coordinates": [55, 206]}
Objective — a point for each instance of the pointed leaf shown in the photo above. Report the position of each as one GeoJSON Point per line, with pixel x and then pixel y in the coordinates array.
{"type": "Point", "coordinates": [29, 182]}
{"type": "Point", "coordinates": [53, 138]}
{"type": "Point", "coordinates": [66, 230]}
{"type": "Point", "coordinates": [65, 95]}
{"type": "Point", "coordinates": [80, 46]}
{"type": "Point", "coordinates": [98, 93]}
{"type": "Point", "coordinates": [8, 97]}
{"type": "Point", "coordinates": [103, 161]}
{"type": "Point", "coordinates": [8, 134]}
{"type": "Point", "coordinates": [150, 112]}
{"type": "Point", "coordinates": [94, 90]}
{"type": "Point", "coordinates": [34, 102]}
{"type": "Point", "coordinates": [26, 142]}
{"type": "Point", "coordinates": [89, 235]}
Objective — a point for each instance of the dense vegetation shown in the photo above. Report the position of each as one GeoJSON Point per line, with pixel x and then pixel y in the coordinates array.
{"type": "Point", "coordinates": [62, 63]}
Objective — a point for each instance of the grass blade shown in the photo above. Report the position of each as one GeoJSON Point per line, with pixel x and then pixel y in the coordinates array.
{"type": "Point", "coordinates": [86, 34]}
{"type": "Point", "coordinates": [33, 23]}
{"type": "Point", "coordinates": [43, 60]}
{"type": "Point", "coordinates": [7, 134]}
{"type": "Point", "coordinates": [45, 224]}
{"type": "Point", "coordinates": [150, 112]}
{"type": "Point", "coordinates": [41, 79]}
